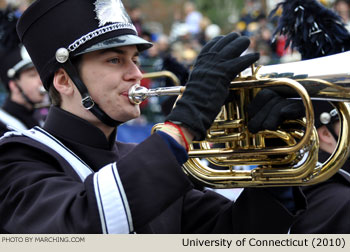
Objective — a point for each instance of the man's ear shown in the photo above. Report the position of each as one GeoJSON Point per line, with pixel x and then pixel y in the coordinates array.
{"type": "Point", "coordinates": [12, 86]}
{"type": "Point", "coordinates": [324, 135]}
{"type": "Point", "coordinates": [63, 82]}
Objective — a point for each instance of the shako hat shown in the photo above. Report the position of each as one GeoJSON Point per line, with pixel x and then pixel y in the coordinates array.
{"type": "Point", "coordinates": [311, 28]}
{"type": "Point", "coordinates": [79, 26]}
{"type": "Point", "coordinates": [13, 55]}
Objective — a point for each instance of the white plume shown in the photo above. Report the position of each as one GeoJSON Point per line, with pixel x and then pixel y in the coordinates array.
{"type": "Point", "coordinates": [111, 11]}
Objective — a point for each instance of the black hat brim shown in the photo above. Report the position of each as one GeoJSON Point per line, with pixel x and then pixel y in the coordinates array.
{"type": "Point", "coordinates": [124, 40]}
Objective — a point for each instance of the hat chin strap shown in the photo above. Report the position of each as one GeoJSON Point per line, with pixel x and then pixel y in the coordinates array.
{"type": "Point", "coordinates": [87, 101]}
{"type": "Point", "coordinates": [25, 97]}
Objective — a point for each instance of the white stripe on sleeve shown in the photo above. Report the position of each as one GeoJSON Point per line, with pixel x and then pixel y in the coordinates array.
{"type": "Point", "coordinates": [113, 206]}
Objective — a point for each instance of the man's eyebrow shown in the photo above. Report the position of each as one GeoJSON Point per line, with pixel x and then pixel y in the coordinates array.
{"type": "Point", "coordinates": [117, 50]}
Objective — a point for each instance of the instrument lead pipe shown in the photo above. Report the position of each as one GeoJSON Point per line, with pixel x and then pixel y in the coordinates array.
{"type": "Point", "coordinates": [138, 94]}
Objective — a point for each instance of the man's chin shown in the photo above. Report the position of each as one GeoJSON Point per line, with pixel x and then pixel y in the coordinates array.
{"type": "Point", "coordinates": [128, 117]}
{"type": "Point", "coordinates": [38, 101]}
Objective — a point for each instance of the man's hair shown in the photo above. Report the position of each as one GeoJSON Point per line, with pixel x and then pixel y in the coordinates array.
{"type": "Point", "coordinates": [55, 96]}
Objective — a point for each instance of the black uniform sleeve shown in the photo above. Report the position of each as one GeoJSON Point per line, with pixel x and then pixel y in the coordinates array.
{"type": "Point", "coordinates": [328, 208]}
{"type": "Point", "coordinates": [255, 211]}
{"type": "Point", "coordinates": [38, 197]}
{"type": "Point", "coordinates": [157, 181]}
{"type": "Point", "coordinates": [41, 194]}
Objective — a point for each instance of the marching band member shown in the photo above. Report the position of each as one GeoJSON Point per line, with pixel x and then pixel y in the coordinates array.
{"type": "Point", "coordinates": [316, 31]}
{"type": "Point", "coordinates": [19, 76]}
{"type": "Point", "coordinates": [328, 202]}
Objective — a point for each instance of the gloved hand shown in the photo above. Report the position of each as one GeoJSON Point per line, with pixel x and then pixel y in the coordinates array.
{"type": "Point", "coordinates": [268, 110]}
{"type": "Point", "coordinates": [207, 88]}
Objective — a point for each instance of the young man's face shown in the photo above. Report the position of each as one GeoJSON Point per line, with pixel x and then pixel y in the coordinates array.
{"type": "Point", "coordinates": [108, 75]}
{"type": "Point", "coordinates": [29, 81]}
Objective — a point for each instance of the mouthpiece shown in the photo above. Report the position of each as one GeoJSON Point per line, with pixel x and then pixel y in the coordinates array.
{"type": "Point", "coordinates": [138, 94]}
{"type": "Point", "coordinates": [42, 90]}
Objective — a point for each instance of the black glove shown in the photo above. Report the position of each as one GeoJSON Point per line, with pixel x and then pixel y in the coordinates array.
{"type": "Point", "coordinates": [268, 110]}
{"type": "Point", "coordinates": [207, 88]}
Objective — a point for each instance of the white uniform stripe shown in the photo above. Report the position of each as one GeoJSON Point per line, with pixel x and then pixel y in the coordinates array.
{"type": "Point", "coordinates": [99, 204]}
{"type": "Point", "coordinates": [113, 207]}
{"type": "Point", "coordinates": [80, 167]}
{"type": "Point", "coordinates": [11, 121]}
{"type": "Point", "coordinates": [123, 195]}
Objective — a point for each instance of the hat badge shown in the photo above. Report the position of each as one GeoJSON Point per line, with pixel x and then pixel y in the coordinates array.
{"type": "Point", "coordinates": [111, 11]}
{"type": "Point", "coordinates": [325, 118]}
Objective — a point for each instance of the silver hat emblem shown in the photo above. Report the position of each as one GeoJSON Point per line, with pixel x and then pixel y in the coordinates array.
{"type": "Point", "coordinates": [111, 11]}
{"type": "Point", "coordinates": [325, 118]}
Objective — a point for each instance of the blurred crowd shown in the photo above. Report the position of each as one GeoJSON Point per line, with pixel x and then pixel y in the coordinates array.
{"type": "Point", "coordinates": [176, 50]}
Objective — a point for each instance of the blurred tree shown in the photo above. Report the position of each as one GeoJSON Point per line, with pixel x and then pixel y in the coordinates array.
{"type": "Point", "coordinates": [221, 12]}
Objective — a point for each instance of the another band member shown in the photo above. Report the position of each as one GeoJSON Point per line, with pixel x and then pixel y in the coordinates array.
{"type": "Point", "coordinates": [20, 78]}
{"type": "Point", "coordinates": [72, 177]}
{"type": "Point", "coordinates": [328, 202]}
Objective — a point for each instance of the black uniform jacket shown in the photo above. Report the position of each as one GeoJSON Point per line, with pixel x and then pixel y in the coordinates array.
{"type": "Point", "coordinates": [40, 193]}
{"type": "Point", "coordinates": [328, 210]}
{"type": "Point", "coordinates": [19, 112]}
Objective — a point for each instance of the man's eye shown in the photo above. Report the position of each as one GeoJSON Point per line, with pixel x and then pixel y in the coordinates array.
{"type": "Point", "coordinates": [137, 63]}
{"type": "Point", "coordinates": [114, 61]}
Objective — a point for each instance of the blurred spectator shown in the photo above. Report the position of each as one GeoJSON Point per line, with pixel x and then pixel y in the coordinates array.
{"type": "Point", "coordinates": [204, 23]}
{"type": "Point", "coordinates": [342, 7]}
{"type": "Point", "coordinates": [265, 52]}
{"type": "Point", "coordinates": [135, 14]}
{"type": "Point", "coordinates": [247, 24]}
{"type": "Point", "coordinates": [212, 31]}
{"type": "Point", "coordinates": [169, 62]}
{"type": "Point", "coordinates": [178, 28]}
{"type": "Point", "coordinates": [163, 44]}
{"type": "Point", "coordinates": [159, 58]}
{"type": "Point", "coordinates": [208, 31]}
{"type": "Point", "coordinates": [192, 18]}
{"type": "Point", "coordinates": [20, 5]}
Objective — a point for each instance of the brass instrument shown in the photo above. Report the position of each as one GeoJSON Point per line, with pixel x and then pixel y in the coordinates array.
{"type": "Point", "coordinates": [164, 73]}
{"type": "Point", "coordinates": [285, 157]}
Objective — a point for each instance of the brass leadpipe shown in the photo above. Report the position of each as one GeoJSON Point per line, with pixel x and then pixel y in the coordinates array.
{"type": "Point", "coordinates": [138, 94]}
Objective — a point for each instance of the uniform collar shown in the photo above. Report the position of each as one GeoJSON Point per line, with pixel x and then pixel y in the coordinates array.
{"type": "Point", "coordinates": [70, 128]}
{"type": "Point", "coordinates": [20, 112]}
{"type": "Point", "coordinates": [16, 109]}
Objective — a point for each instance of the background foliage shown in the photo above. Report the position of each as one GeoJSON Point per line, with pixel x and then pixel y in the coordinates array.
{"type": "Point", "coordinates": [221, 12]}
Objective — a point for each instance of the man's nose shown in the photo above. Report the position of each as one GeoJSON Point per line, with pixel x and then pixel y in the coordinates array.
{"type": "Point", "coordinates": [134, 73]}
